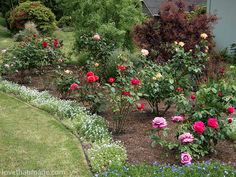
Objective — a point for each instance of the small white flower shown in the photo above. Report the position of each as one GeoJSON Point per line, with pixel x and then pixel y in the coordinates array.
{"type": "Point", "coordinates": [97, 37]}
{"type": "Point", "coordinates": [144, 52]}
{"type": "Point", "coordinates": [181, 44]}
{"type": "Point", "coordinates": [158, 76]}
{"type": "Point", "coordinates": [204, 35]}
{"type": "Point", "coordinates": [68, 71]}
{"type": "Point", "coordinates": [7, 65]}
{"type": "Point", "coordinates": [4, 50]}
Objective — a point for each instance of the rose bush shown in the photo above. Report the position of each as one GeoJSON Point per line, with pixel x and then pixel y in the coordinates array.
{"type": "Point", "coordinates": [206, 120]}
{"type": "Point", "coordinates": [35, 52]}
{"type": "Point", "coordinates": [123, 94]}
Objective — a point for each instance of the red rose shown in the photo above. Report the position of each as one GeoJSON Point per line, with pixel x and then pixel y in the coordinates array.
{"type": "Point", "coordinates": [212, 122]}
{"type": "Point", "coordinates": [56, 43]}
{"type": "Point", "coordinates": [199, 127]}
{"type": "Point", "coordinates": [74, 86]}
{"type": "Point", "coordinates": [126, 93]}
{"type": "Point", "coordinates": [135, 81]}
{"type": "Point", "coordinates": [230, 110]}
{"type": "Point", "coordinates": [90, 73]}
{"type": "Point", "coordinates": [193, 97]}
{"type": "Point", "coordinates": [35, 35]}
{"type": "Point", "coordinates": [179, 89]}
{"type": "Point", "coordinates": [121, 67]}
{"type": "Point", "coordinates": [111, 80]}
{"type": "Point", "coordinates": [140, 106]}
{"type": "Point", "coordinates": [91, 79]}
{"type": "Point", "coordinates": [230, 120]}
{"type": "Point", "coordinates": [220, 94]}
{"type": "Point", "coordinates": [96, 78]}
{"type": "Point", "coordinates": [44, 44]}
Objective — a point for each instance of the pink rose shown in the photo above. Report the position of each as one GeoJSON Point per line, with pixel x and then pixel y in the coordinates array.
{"type": "Point", "coordinates": [126, 93]}
{"type": "Point", "coordinates": [90, 73]}
{"type": "Point", "coordinates": [135, 81]}
{"type": "Point", "coordinates": [177, 119]}
{"type": "Point", "coordinates": [231, 110]}
{"type": "Point", "coordinates": [159, 122]}
{"type": "Point", "coordinates": [186, 138]}
{"type": "Point", "coordinates": [212, 122]}
{"type": "Point", "coordinates": [121, 67]}
{"type": "Point", "coordinates": [186, 158]}
{"type": "Point", "coordinates": [74, 86]}
{"type": "Point", "coordinates": [111, 80]}
{"type": "Point", "coordinates": [91, 79]}
{"type": "Point", "coordinates": [199, 127]}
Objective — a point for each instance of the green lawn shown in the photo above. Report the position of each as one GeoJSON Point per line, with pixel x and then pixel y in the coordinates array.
{"type": "Point", "coordinates": [31, 139]}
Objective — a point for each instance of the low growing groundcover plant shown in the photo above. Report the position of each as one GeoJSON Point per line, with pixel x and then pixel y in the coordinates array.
{"type": "Point", "coordinates": [91, 128]}
{"type": "Point", "coordinates": [209, 169]}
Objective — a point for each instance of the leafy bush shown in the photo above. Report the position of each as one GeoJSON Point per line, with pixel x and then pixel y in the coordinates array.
{"type": "Point", "coordinates": [105, 155]}
{"type": "Point", "coordinates": [36, 52]}
{"type": "Point", "coordinates": [29, 31]}
{"type": "Point", "coordinates": [210, 169]}
{"type": "Point", "coordinates": [35, 12]}
{"type": "Point", "coordinates": [167, 83]}
{"type": "Point", "coordinates": [174, 24]}
{"type": "Point", "coordinates": [65, 21]}
{"type": "Point", "coordinates": [97, 50]}
{"type": "Point", "coordinates": [112, 20]}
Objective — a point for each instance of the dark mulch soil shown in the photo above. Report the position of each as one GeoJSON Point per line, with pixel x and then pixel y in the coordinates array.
{"type": "Point", "coordinates": [135, 139]}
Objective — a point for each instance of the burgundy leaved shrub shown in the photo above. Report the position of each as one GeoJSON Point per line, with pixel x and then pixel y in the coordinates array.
{"type": "Point", "coordinates": [177, 21]}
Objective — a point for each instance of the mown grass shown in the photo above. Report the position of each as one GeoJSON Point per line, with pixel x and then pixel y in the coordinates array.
{"type": "Point", "coordinates": [31, 139]}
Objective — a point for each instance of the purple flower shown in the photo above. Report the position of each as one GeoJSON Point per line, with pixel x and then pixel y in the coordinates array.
{"type": "Point", "coordinates": [177, 119]}
{"type": "Point", "coordinates": [159, 122]}
{"type": "Point", "coordinates": [186, 158]}
{"type": "Point", "coordinates": [186, 138]}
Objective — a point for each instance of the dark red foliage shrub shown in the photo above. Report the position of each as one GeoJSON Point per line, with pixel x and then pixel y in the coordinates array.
{"type": "Point", "coordinates": [178, 21]}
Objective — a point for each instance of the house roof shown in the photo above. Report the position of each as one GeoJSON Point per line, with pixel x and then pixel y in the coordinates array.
{"type": "Point", "coordinates": [153, 5]}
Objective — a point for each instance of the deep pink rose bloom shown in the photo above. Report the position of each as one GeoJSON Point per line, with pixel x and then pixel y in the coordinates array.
{"type": "Point", "coordinates": [159, 122]}
{"type": "Point", "coordinates": [91, 79]}
{"type": "Point", "coordinates": [111, 80]}
{"type": "Point", "coordinates": [74, 86]}
{"type": "Point", "coordinates": [193, 97]}
{"type": "Point", "coordinates": [212, 122]}
{"type": "Point", "coordinates": [186, 158]}
{"type": "Point", "coordinates": [96, 78]}
{"type": "Point", "coordinates": [186, 138]}
{"type": "Point", "coordinates": [177, 119]}
{"type": "Point", "coordinates": [121, 67]}
{"type": "Point", "coordinates": [90, 73]}
{"type": "Point", "coordinates": [135, 81]}
{"type": "Point", "coordinates": [231, 110]}
{"type": "Point", "coordinates": [199, 127]}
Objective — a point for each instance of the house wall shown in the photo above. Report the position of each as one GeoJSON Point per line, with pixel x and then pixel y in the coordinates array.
{"type": "Point", "coordinates": [224, 30]}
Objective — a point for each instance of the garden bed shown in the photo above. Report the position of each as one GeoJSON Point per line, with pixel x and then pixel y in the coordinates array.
{"type": "Point", "coordinates": [136, 139]}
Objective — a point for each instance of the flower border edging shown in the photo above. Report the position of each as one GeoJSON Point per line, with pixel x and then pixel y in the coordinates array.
{"type": "Point", "coordinates": [91, 128]}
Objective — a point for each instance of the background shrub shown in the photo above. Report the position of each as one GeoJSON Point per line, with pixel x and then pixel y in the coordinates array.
{"type": "Point", "coordinates": [35, 12]}
{"type": "Point", "coordinates": [178, 23]}
{"type": "Point", "coordinates": [112, 19]}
